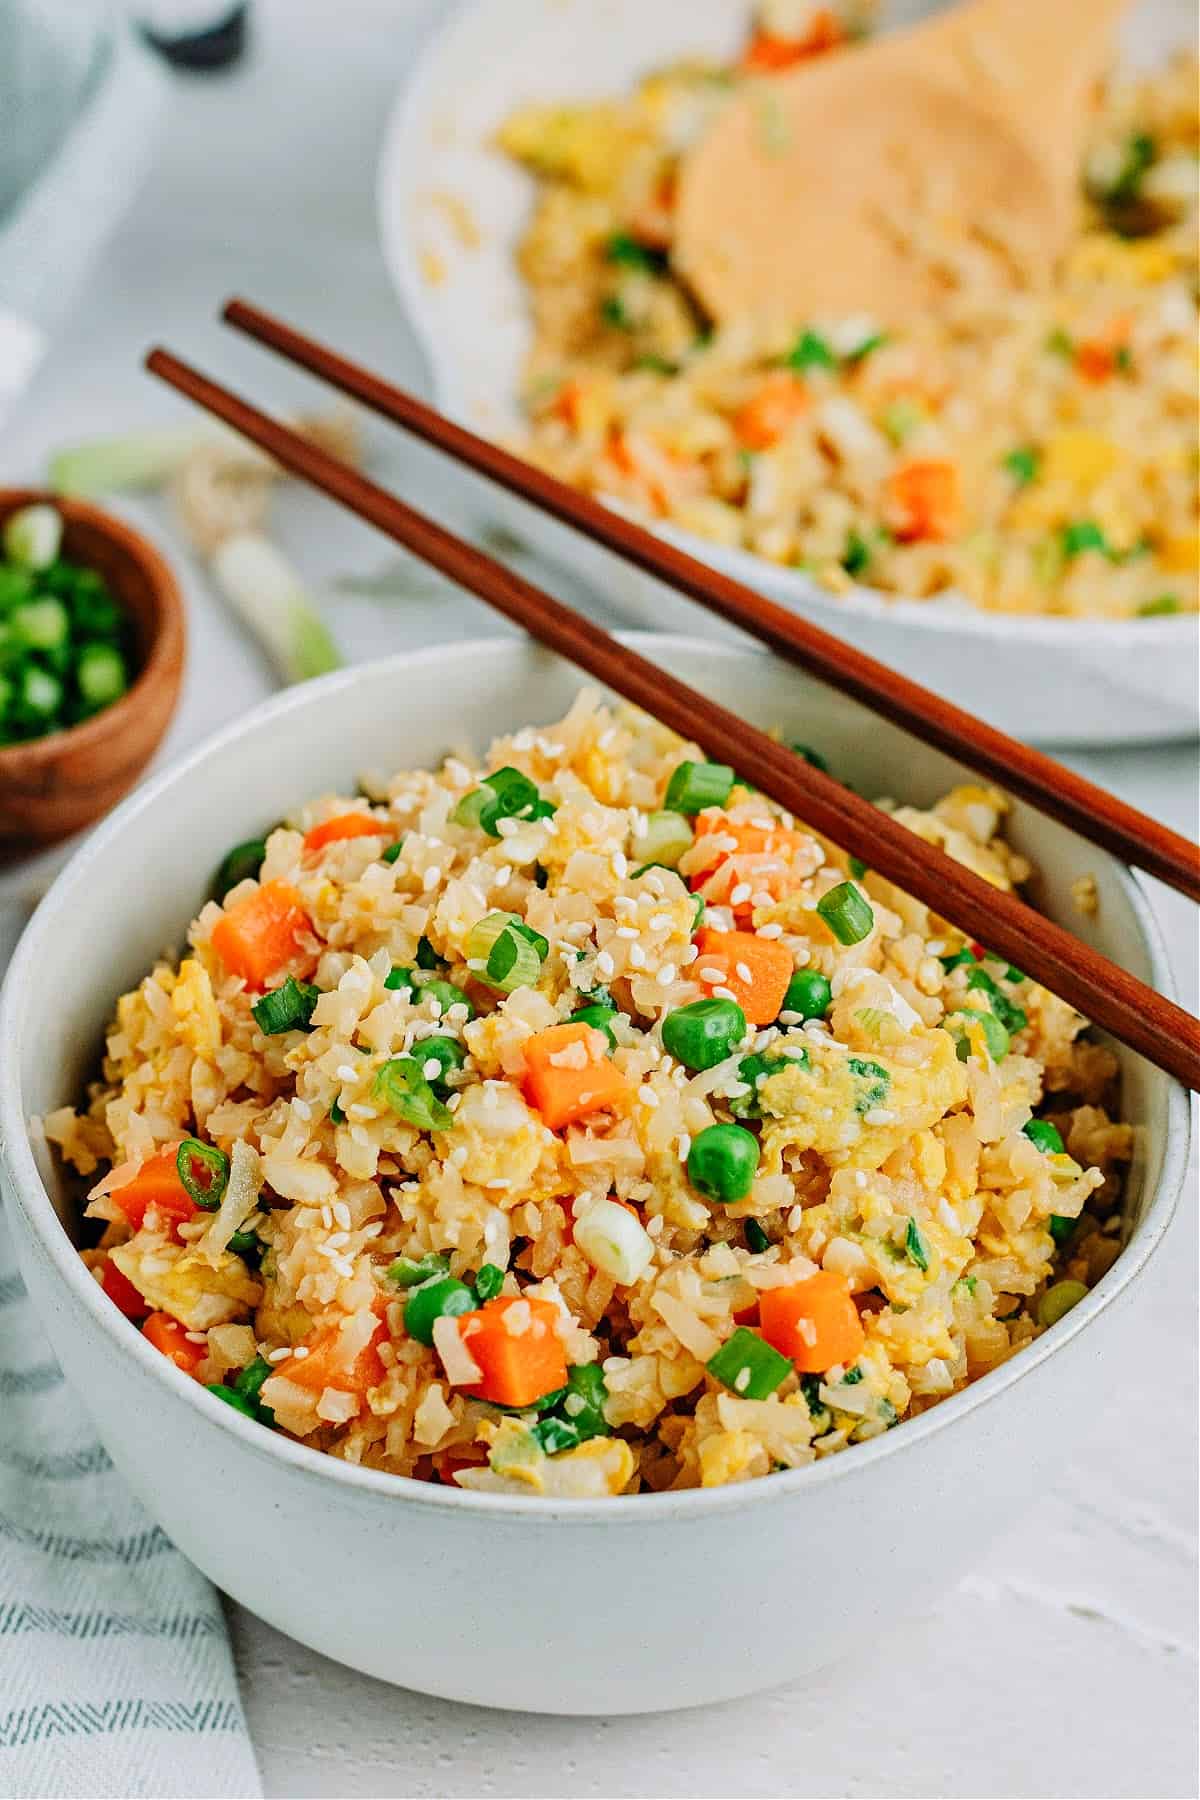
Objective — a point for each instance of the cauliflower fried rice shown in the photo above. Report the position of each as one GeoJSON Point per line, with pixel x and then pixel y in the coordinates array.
{"type": "Point", "coordinates": [1030, 450]}
{"type": "Point", "coordinates": [581, 1124]}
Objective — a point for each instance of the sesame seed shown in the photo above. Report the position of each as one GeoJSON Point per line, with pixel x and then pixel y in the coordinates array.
{"type": "Point", "coordinates": [640, 825]}
{"type": "Point", "coordinates": [278, 1356]}
{"type": "Point", "coordinates": [688, 956]}
{"type": "Point", "coordinates": [742, 971]}
{"type": "Point", "coordinates": [430, 878]}
{"type": "Point", "coordinates": [860, 1178]}
{"type": "Point", "coordinates": [666, 975]}
{"type": "Point", "coordinates": [605, 964]}
{"type": "Point", "coordinates": [879, 1115]}
{"type": "Point", "coordinates": [711, 974]}
{"type": "Point", "coordinates": [431, 1068]}
{"type": "Point", "coordinates": [502, 876]}
{"type": "Point", "coordinates": [683, 1148]}
{"type": "Point", "coordinates": [764, 897]}
{"type": "Point", "coordinates": [620, 865]}
{"type": "Point", "coordinates": [637, 957]}
{"type": "Point", "coordinates": [647, 1095]}
{"type": "Point", "coordinates": [347, 1072]}
{"type": "Point", "coordinates": [507, 827]}
{"type": "Point", "coordinates": [660, 921]}
{"type": "Point", "coordinates": [721, 992]}
{"type": "Point", "coordinates": [327, 1216]}
{"type": "Point", "coordinates": [302, 1109]}
{"type": "Point", "coordinates": [606, 738]}
{"type": "Point", "coordinates": [301, 1351]}
{"type": "Point", "coordinates": [196, 1337]}
{"type": "Point", "coordinates": [360, 1111]}
{"type": "Point", "coordinates": [774, 930]}
{"type": "Point", "coordinates": [341, 1213]}
{"type": "Point", "coordinates": [740, 894]}
{"type": "Point", "coordinates": [763, 824]}
{"type": "Point", "coordinates": [627, 931]}
{"type": "Point", "coordinates": [741, 1380]}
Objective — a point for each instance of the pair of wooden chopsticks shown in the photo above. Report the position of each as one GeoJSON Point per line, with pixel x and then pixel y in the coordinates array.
{"type": "Point", "coordinates": [1104, 993]}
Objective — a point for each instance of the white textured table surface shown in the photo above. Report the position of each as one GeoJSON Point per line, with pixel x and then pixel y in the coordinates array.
{"type": "Point", "coordinates": [1066, 1664]}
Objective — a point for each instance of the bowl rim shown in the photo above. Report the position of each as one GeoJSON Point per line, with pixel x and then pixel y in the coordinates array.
{"type": "Point", "coordinates": [54, 1246]}
{"type": "Point", "coordinates": [400, 150]}
{"type": "Point", "coordinates": [167, 642]}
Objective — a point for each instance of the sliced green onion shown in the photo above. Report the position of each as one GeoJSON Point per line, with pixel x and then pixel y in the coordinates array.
{"type": "Point", "coordinates": [286, 1008]}
{"type": "Point", "coordinates": [1061, 1228]}
{"type": "Point", "coordinates": [145, 459]}
{"type": "Point", "coordinates": [872, 1082]}
{"type": "Point", "coordinates": [101, 675]}
{"type": "Point", "coordinates": [722, 1163]}
{"type": "Point", "coordinates": [629, 254]}
{"type": "Point", "coordinates": [399, 978]}
{"type": "Point", "coordinates": [231, 1397]}
{"type": "Point", "coordinates": [242, 863]}
{"type": "Point", "coordinates": [862, 350]}
{"type": "Point", "coordinates": [1023, 464]}
{"type": "Point", "coordinates": [43, 625]}
{"type": "Point", "coordinates": [1058, 1300]}
{"type": "Point", "coordinates": [1046, 1136]}
{"type": "Point", "coordinates": [1060, 342]}
{"type": "Point", "coordinates": [1011, 1016]}
{"type": "Point", "coordinates": [555, 1435]}
{"type": "Point", "coordinates": [810, 351]}
{"type": "Point", "coordinates": [506, 794]}
{"type": "Point", "coordinates": [666, 837]}
{"type": "Point", "coordinates": [409, 1271]}
{"type": "Point", "coordinates": [204, 1172]}
{"type": "Point", "coordinates": [40, 693]}
{"type": "Point", "coordinates": [508, 950]}
{"type": "Point", "coordinates": [756, 1238]}
{"type": "Point", "coordinates": [748, 1365]}
{"type": "Point", "coordinates": [248, 1381]}
{"type": "Point", "coordinates": [857, 554]}
{"type": "Point", "coordinates": [1083, 534]}
{"type": "Point", "coordinates": [392, 853]}
{"type": "Point", "coordinates": [847, 913]}
{"type": "Point", "coordinates": [704, 1032]}
{"type": "Point", "coordinates": [265, 592]}
{"type": "Point", "coordinates": [959, 960]}
{"type": "Point", "coordinates": [915, 1247]}
{"type": "Point", "coordinates": [488, 1282]}
{"type": "Point", "coordinates": [248, 1245]}
{"type": "Point", "coordinates": [858, 867]}
{"type": "Point", "coordinates": [401, 1083]}
{"type": "Point", "coordinates": [33, 536]}
{"type": "Point", "coordinates": [994, 1035]}
{"type": "Point", "coordinates": [753, 1070]}
{"type": "Point", "coordinates": [427, 956]}
{"type": "Point", "coordinates": [1159, 607]}
{"type": "Point", "coordinates": [693, 786]}
{"type": "Point", "coordinates": [336, 1115]}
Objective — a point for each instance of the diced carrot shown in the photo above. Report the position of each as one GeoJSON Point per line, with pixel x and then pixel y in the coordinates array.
{"type": "Point", "coordinates": [258, 934]}
{"type": "Point", "coordinates": [755, 970]}
{"type": "Point", "coordinates": [924, 501]}
{"type": "Point", "coordinates": [156, 1185]}
{"type": "Point", "coordinates": [122, 1292]}
{"type": "Point", "coordinates": [346, 825]}
{"type": "Point", "coordinates": [761, 861]}
{"type": "Point", "coordinates": [773, 407]}
{"type": "Point", "coordinates": [520, 1354]}
{"type": "Point", "coordinates": [1098, 358]}
{"type": "Point", "coordinates": [766, 54]}
{"type": "Point", "coordinates": [169, 1336]}
{"type": "Point", "coordinates": [815, 1322]}
{"type": "Point", "coordinates": [568, 1074]}
{"type": "Point", "coordinates": [325, 1365]}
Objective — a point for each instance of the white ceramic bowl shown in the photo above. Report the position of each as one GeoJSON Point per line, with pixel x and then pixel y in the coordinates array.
{"type": "Point", "coordinates": [611, 1606]}
{"type": "Point", "coordinates": [1054, 680]}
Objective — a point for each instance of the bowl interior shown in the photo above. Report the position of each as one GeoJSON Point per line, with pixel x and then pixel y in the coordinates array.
{"type": "Point", "coordinates": [107, 931]}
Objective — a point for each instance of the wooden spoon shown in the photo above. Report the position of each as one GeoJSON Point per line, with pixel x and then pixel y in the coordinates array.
{"type": "Point", "coordinates": [800, 199]}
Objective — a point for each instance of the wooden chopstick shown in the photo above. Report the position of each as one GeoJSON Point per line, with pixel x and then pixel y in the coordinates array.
{"type": "Point", "coordinates": [1104, 993]}
{"type": "Point", "coordinates": [1020, 769]}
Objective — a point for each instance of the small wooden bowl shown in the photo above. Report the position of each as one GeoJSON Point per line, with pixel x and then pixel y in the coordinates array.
{"type": "Point", "coordinates": [57, 784]}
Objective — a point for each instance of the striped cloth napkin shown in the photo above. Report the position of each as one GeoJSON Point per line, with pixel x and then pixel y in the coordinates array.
{"type": "Point", "coordinates": [116, 1676]}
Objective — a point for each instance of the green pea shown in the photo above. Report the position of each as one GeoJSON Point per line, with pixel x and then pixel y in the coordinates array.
{"type": "Point", "coordinates": [703, 1033]}
{"type": "Point", "coordinates": [808, 994]}
{"type": "Point", "coordinates": [447, 996]}
{"type": "Point", "coordinates": [722, 1163]}
{"type": "Point", "coordinates": [443, 1298]}
{"type": "Point", "coordinates": [600, 1016]}
{"type": "Point", "coordinates": [1058, 1300]}
{"type": "Point", "coordinates": [1046, 1136]}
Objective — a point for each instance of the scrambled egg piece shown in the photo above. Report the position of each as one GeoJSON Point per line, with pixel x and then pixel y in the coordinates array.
{"type": "Point", "coordinates": [195, 1289]}
{"type": "Point", "coordinates": [195, 1008]}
